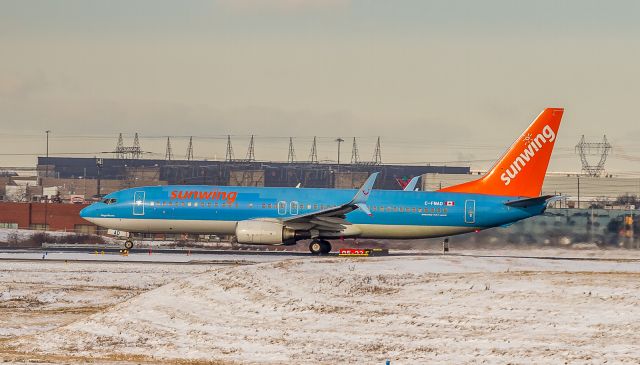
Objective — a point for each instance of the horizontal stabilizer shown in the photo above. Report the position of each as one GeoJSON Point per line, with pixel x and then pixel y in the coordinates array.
{"type": "Point", "coordinates": [529, 202]}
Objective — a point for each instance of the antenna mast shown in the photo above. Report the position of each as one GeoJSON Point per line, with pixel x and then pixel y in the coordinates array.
{"type": "Point", "coordinates": [120, 147]}
{"type": "Point", "coordinates": [168, 154]}
{"type": "Point", "coordinates": [251, 152]}
{"type": "Point", "coordinates": [354, 152]}
{"type": "Point", "coordinates": [136, 150]}
{"type": "Point", "coordinates": [229, 155]}
{"type": "Point", "coordinates": [377, 154]}
{"type": "Point", "coordinates": [190, 149]}
{"type": "Point", "coordinates": [292, 154]}
{"type": "Point", "coordinates": [313, 156]}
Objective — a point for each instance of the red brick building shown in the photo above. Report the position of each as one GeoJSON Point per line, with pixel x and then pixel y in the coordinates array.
{"type": "Point", "coordinates": [55, 217]}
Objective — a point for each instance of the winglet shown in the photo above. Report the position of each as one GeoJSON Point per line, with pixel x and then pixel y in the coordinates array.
{"type": "Point", "coordinates": [362, 195]}
{"type": "Point", "coordinates": [412, 184]}
{"type": "Point", "coordinates": [363, 207]}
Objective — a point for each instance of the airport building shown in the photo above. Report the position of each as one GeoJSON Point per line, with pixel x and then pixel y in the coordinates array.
{"type": "Point", "coordinates": [86, 175]}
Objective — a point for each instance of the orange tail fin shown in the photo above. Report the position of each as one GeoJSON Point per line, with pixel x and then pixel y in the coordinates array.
{"type": "Point", "coordinates": [521, 170]}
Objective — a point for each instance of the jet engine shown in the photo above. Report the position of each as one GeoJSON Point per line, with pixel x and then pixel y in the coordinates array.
{"type": "Point", "coordinates": [261, 232]}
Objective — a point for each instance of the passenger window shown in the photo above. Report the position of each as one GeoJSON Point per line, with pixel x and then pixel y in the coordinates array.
{"type": "Point", "coordinates": [315, 206]}
{"type": "Point", "coordinates": [250, 205]}
{"type": "Point", "coordinates": [419, 210]}
{"type": "Point", "coordinates": [413, 210]}
{"type": "Point", "coordinates": [374, 209]}
{"type": "Point", "coordinates": [188, 204]}
{"type": "Point", "coordinates": [195, 204]}
{"type": "Point", "coordinates": [444, 210]}
{"type": "Point", "coordinates": [395, 209]}
{"type": "Point", "coordinates": [152, 204]}
{"type": "Point", "coordinates": [308, 206]}
{"type": "Point", "coordinates": [269, 205]}
{"type": "Point", "coordinates": [438, 210]}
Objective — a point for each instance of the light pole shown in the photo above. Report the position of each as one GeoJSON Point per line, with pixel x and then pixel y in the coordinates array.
{"type": "Point", "coordinates": [47, 173]}
{"type": "Point", "coordinates": [46, 197]}
{"type": "Point", "coordinates": [339, 140]}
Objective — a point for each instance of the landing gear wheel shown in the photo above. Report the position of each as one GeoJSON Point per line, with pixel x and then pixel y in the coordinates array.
{"type": "Point", "coordinates": [325, 247]}
{"type": "Point", "coordinates": [316, 247]}
{"type": "Point", "coordinates": [128, 244]}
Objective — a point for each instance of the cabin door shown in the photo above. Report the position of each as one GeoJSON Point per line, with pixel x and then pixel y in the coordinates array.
{"type": "Point", "coordinates": [470, 211]}
{"type": "Point", "coordinates": [293, 208]}
{"type": "Point", "coordinates": [138, 203]}
{"type": "Point", "coordinates": [282, 207]}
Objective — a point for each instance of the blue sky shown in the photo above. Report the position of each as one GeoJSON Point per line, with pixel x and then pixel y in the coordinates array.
{"type": "Point", "coordinates": [439, 80]}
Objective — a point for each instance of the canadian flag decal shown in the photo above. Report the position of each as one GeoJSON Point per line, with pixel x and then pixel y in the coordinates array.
{"type": "Point", "coordinates": [450, 203]}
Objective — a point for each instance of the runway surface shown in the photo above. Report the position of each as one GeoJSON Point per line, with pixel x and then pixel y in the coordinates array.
{"type": "Point", "coordinates": [220, 256]}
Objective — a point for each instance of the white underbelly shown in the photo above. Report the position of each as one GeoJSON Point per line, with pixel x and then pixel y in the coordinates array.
{"type": "Point", "coordinates": [228, 228]}
{"type": "Point", "coordinates": [410, 232]}
{"type": "Point", "coordinates": [167, 225]}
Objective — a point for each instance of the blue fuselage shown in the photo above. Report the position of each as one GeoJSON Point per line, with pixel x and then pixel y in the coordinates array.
{"type": "Point", "coordinates": [217, 210]}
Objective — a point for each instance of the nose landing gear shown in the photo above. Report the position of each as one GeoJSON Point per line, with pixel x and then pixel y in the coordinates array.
{"type": "Point", "coordinates": [318, 247]}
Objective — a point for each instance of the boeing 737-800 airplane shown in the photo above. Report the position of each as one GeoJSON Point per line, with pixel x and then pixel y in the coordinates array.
{"type": "Point", "coordinates": [509, 192]}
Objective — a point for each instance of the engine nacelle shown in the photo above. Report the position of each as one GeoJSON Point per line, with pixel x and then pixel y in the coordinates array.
{"type": "Point", "coordinates": [264, 233]}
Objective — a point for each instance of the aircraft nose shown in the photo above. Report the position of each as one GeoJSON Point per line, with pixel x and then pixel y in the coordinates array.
{"type": "Point", "coordinates": [87, 212]}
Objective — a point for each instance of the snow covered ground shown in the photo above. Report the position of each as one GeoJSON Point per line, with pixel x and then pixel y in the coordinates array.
{"type": "Point", "coordinates": [413, 309]}
{"type": "Point", "coordinates": [45, 295]}
{"type": "Point", "coordinates": [178, 257]}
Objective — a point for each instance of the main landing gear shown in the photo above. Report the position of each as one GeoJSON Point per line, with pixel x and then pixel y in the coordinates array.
{"type": "Point", "coordinates": [128, 244]}
{"type": "Point", "coordinates": [318, 247]}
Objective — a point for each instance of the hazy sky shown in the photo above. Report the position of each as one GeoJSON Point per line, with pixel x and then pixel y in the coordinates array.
{"type": "Point", "coordinates": [438, 80]}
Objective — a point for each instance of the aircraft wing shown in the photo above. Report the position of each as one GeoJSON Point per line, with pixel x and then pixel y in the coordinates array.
{"type": "Point", "coordinates": [333, 219]}
{"type": "Point", "coordinates": [411, 186]}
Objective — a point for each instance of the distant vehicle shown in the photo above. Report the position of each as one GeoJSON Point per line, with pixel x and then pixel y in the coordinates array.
{"type": "Point", "coordinates": [509, 192]}
{"type": "Point", "coordinates": [76, 199]}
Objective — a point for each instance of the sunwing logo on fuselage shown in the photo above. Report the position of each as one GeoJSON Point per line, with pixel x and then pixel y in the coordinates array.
{"type": "Point", "coordinates": [533, 145]}
{"type": "Point", "coordinates": [229, 196]}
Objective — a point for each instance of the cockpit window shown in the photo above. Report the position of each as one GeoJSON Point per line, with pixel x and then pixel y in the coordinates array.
{"type": "Point", "coordinates": [109, 201]}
